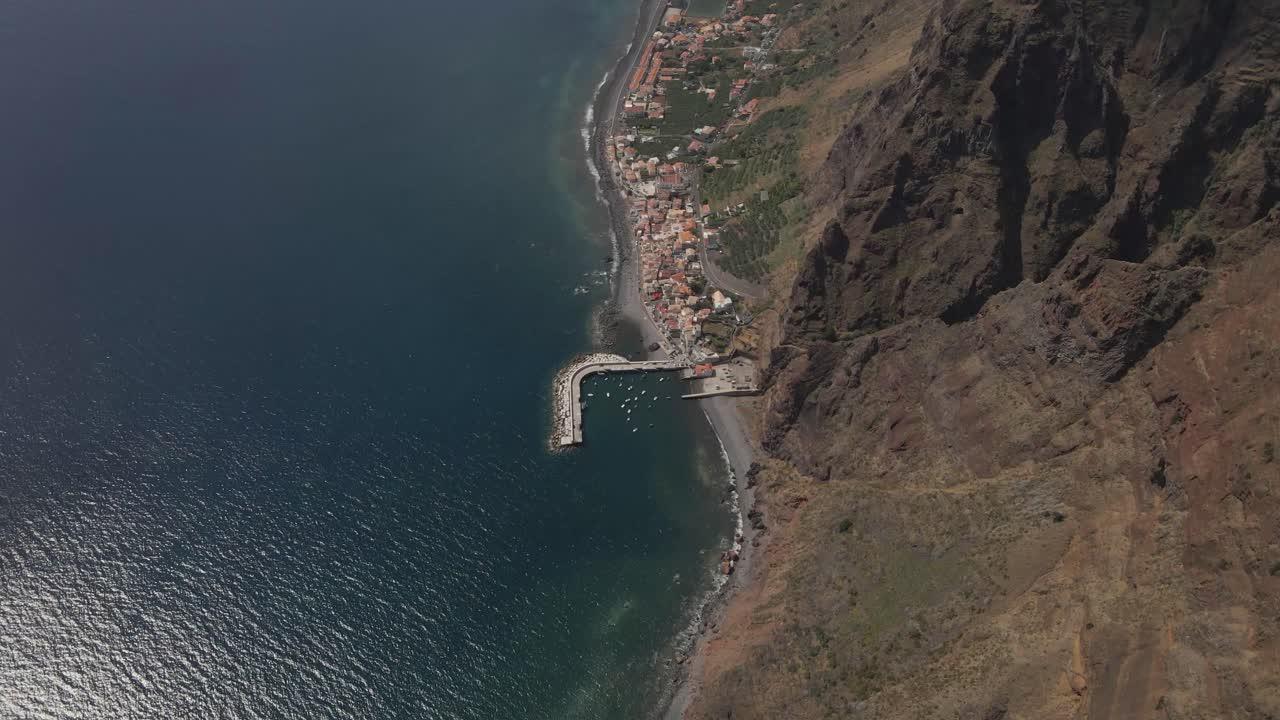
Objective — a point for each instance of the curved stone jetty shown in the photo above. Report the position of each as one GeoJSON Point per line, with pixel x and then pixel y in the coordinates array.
{"type": "Point", "coordinates": [568, 388]}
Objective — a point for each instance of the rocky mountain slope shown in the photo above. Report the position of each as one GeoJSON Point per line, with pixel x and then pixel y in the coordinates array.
{"type": "Point", "coordinates": [1024, 399]}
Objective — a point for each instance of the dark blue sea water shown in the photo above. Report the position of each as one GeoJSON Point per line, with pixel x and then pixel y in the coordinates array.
{"type": "Point", "coordinates": [283, 286]}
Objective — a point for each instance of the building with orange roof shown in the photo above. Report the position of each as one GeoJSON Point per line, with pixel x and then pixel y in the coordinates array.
{"type": "Point", "coordinates": [641, 65]}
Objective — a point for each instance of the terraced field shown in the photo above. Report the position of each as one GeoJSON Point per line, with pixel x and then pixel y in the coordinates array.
{"type": "Point", "coordinates": [748, 238]}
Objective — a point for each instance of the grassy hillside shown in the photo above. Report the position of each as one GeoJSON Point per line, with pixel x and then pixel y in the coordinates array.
{"type": "Point", "coordinates": [829, 56]}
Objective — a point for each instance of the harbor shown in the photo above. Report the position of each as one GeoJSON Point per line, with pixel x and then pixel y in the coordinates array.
{"type": "Point", "coordinates": [734, 377]}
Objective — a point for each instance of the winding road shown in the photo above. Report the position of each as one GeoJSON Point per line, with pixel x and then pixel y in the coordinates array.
{"type": "Point", "coordinates": [717, 276]}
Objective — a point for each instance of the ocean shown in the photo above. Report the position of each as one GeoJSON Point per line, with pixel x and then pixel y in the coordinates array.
{"type": "Point", "coordinates": [283, 287]}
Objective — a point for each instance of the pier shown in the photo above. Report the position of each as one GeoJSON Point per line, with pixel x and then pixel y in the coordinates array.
{"type": "Point", "coordinates": [568, 388]}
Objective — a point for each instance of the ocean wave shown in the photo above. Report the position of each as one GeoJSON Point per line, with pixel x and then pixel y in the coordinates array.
{"type": "Point", "coordinates": [588, 120]}
{"type": "Point", "coordinates": [593, 167]}
{"type": "Point", "coordinates": [588, 127]}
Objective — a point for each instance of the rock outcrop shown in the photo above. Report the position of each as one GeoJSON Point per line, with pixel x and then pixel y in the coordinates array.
{"type": "Point", "coordinates": [1028, 380]}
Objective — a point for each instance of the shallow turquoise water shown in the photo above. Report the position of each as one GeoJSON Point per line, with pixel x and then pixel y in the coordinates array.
{"type": "Point", "coordinates": [282, 292]}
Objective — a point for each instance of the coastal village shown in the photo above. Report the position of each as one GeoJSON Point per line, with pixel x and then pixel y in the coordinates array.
{"type": "Point", "coordinates": [689, 87]}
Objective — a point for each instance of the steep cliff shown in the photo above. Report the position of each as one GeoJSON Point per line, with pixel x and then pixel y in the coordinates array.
{"type": "Point", "coordinates": [1024, 399]}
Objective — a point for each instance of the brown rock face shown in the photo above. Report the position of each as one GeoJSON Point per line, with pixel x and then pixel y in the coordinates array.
{"type": "Point", "coordinates": [1031, 372]}
{"type": "Point", "coordinates": [1029, 136]}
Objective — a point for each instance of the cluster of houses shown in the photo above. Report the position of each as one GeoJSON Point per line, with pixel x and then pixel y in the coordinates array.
{"type": "Point", "coordinates": [659, 191]}
{"type": "Point", "coordinates": [672, 281]}
{"type": "Point", "coordinates": [681, 43]}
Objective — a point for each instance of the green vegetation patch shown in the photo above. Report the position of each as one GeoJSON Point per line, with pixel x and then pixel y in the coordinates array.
{"type": "Point", "coordinates": [768, 86]}
{"type": "Point", "coordinates": [767, 148]}
{"type": "Point", "coordinates": [751, 235]}
{"type": "Point", "coordinates": [721, 185]}
{"type": "Point", "coordinates": [764, 7]}
{"type": "Point", "coordinates": [705, 8]}
{"type": "Point", "coordinates": [718, 334]}
{"type": "Point", "coordinates": [688, 109]}
{"type": "Point", "coordinates": [658, 147]}
{"type": "Point", "coordinates": [799, 68]}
